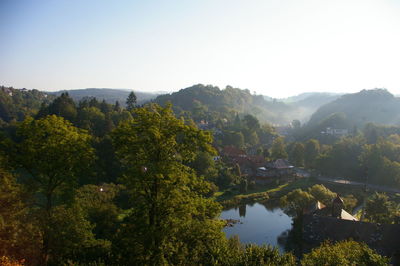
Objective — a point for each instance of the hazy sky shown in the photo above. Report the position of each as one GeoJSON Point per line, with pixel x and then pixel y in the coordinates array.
{"type": "Point", "coordinates": [274, 47]}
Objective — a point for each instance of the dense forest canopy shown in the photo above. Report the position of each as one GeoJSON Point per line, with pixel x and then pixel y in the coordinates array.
{"type": "Point", "coordinates": [109, 95]}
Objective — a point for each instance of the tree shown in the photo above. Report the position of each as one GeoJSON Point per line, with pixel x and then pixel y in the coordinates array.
{"type": "Point", "coordinates": [234, 138]}
{"type": "Point", "coordinates": [19, 237]}
{"type": "Point", "coordinates": [171, 219]}
{"type": "Point", "coordinates": [105, 107]}
{"type": "Point", "coordinates": [131, 101]}
{"type": "Point", "coordinates": [99, 205]}
{"type": "Point", "coordinates": [63, 106]}
{"type": "Point", "coordinates": [297, 154]}
{"type": "Point", "coordinates": [312, 150]}
{"type": "Point", "coordinates": [278, 149]}
{"type": "Point", "coordinates": [203, 163]}
{"type": "Point", "coordinates": [343, 253]}
{"type": "Point", "coordinates": [322, 194]}
{"type": "Point", "coordinates": [54, 154]}
{"type": "Point", "coordinates": [266, 255]}
{"type": "Point", "coordinates": [117, 107]}
{"type": "Point", "coordinates": [379, 209]}
{"type": "Point", "coordinates": [297, 201]}
{"type": "Point", "coordinates": [251, 122]}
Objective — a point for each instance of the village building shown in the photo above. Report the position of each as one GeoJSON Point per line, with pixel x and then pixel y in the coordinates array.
{"type": "Point", "coordinates": [321, 223]}
{"type": "Point", "coordinates": [337, 132]}
{"type": "Point", "coordinates": [273, 171]}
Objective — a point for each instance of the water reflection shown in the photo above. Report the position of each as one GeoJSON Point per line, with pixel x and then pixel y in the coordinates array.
{"type": "Point", "coordinates": [259, 224]}
{"type": "Point", "coordinates": [242, 210]}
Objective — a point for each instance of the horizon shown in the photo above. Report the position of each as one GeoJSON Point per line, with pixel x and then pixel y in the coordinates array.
{"type": "Point", "coordinates": [170, 92]}
{"type": "Point", "coordinates": [274, 48]}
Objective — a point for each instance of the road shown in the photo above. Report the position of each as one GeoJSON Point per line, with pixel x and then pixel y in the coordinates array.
{"type": "Point", "coordinates": [354, 183]}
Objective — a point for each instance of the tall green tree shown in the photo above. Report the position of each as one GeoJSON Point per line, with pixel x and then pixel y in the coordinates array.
{"type": "Point", "coordinates": [379, 209]}
{"type": "Point", "coordinates": [296, 201]}
{"type": "Point", "coordinates": [171, 218]}
{"type": "Point", "coordinates": [19, 237]}
{"type": "Point", "coordinates": [278, 149]}
{"type": "Point", "coordinates": [297, 154]}
{"type": "Point", "coordinates": [63, 106]}
{"type": "Point", "coordinates": [131, 101]}
{"type": "Point", "coordinates": [312, 150]}
{"type": "Point", "coordinates": [54, 154]}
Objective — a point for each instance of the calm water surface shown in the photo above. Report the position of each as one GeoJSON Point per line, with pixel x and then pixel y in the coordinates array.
{"type": "Point", "coordinates": [258, 224]}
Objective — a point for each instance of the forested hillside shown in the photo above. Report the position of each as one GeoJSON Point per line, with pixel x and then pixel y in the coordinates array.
{"type": "Point", "coordinates": [16, 104]}
{"type": "Point", "coordinates": [206, 102]}
{"type": "Point", "coordinates": [352, 112]}
{"type": "Point", "coordinates": [367, 106]}
{"type": "Point", "coordinates": [109, 95]}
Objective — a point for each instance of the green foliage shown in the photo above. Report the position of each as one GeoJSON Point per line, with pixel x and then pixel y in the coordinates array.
{"type": "Point", "coordinates": [350, 202]}
{"type": "Point", "coordinates": [233, 138]}
{"type": "Point", "coordinates": [345, 153]}
{"type": "Point", "coordinates": [204, 165]}
{"type": "Point", "coordinates": [260, 197]}
{"type": "Point", "coordinates": [382, 161]}
{"type": "Point", "coordinates": [211, 103]}
{"type": "Point", "coordinates": [312, 150]}
{"type": "Point", "coordinates": [297, 201]}
{"type": "Point", "coordinates": [62, 106]}
{"type": "Point", "coordinates": [252, 255]}
{"type": "Point", "coordinates": [297, 154]}
{"type": "Point", "coordinates": [265, 255]}
{"type": "Point", "coordinates": [227, 178]}
{"type": "Point", "coordinates": [322, 194]}
{"type": "Point", "coordinates": [377, 106]}
{"type": "Point", "coordinates": [16, 105]}
{"type": "Point", "coordinates": [99, 203]}
{"type": "Point", "coordinates": [278, 149]}
{"type": "Point", "coordinates": [18, 236]}
{"type": "Point", "coordinates": [54, 154]}
{"type": "Point", "coordinates": [70, 236]}
{"type": "Point", "coordinates": [379, 209]}
{"type": "Point", "coordinates": [169, 203]}
{"type": "Point", "coordinates": [163, 214]}
{"type": "Point", "coordinates": [343, 253]}
{"type": "Point", "coordinates": [131, 101]}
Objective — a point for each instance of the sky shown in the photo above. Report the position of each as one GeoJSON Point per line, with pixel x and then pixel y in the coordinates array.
{"type": "Point", "coordinates": [277, 48]}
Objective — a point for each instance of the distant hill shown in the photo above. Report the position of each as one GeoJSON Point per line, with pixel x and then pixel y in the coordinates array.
{"type": "Point", "coordinates": [306, 104]}
{"type": "Point", "coordinates": [202, 100]}
{"type": "Point", "coordinates": [354, 111]}
{"type": "Point", "coordinates": [109, 95]}
{"type": "Point", "coordinates": [376, 106]}
{"type": "Point", "coordinates": [313, 97]}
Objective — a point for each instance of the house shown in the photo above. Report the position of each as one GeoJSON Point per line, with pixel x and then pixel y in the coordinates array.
{"type": "Point", "coordinates": [322, 223]}
{"type": "Point", "coordinates": [337, 132]}
{"type": "Point", "coordinates": [273, 171]}
{"type": "Point", "coordinates": [336, 210]}
{"type": "Point", "coordinates": [203, 125]}
{"type": "Point", "coordinates": [381, 237]}
{"type": "Point", "coordinates": [231, 152]}
{"type": "Point", "coordinates": [298, 172]}
{"type": "Point", "coordinates": [280, 167]}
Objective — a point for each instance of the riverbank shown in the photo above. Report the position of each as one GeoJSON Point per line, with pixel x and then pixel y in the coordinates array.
{"type": "Point", "coordinates": [261, 193]}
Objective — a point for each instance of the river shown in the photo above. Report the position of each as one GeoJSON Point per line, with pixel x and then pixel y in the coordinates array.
{"type": "Point", "coordinates": [258, 224]}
